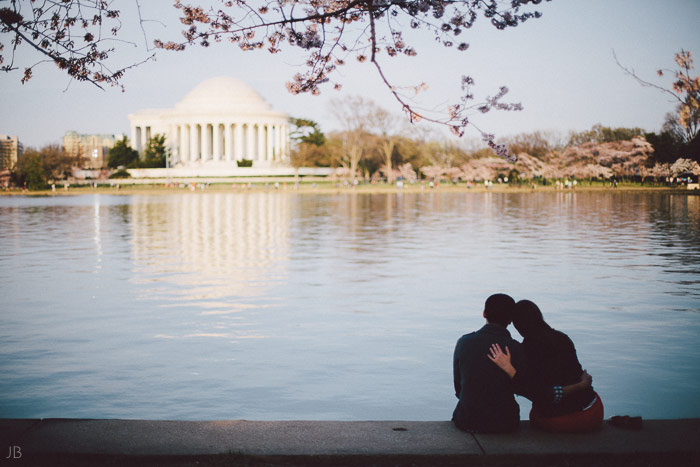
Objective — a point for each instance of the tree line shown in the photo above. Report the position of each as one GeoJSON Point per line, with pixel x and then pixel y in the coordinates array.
{"type": "Point", "coordinates": [372, 144]}
{"type": "Point", "coordinates": [155, 154]}
{"type": "Point", "coordinates": [36, 169]}
{"type": "Point", "coordinates": [378, 149]}
{"type": "Point", "coordinates": [371, 152]}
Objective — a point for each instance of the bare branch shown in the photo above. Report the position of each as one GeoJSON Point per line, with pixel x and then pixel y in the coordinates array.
{"type": "Point", "coordinates": [633, 74]}
{"type": "Point", "coordinates": [328, 32]}
{"type": "Point", "coordinates": [685, 90]}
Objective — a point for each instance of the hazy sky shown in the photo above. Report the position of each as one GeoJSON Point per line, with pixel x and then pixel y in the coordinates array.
{"type": "Point", "coordinates": [560, 67]}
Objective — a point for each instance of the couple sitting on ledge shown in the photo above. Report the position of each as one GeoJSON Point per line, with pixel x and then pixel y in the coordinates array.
{"type": "Point", "coordinates": [490, 367]}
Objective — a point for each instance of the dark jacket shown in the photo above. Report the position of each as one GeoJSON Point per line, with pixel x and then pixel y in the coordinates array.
{"type": "Point", "coordinates": [485, 392]}
{"type": "Point", "coordinates": [552, 361]}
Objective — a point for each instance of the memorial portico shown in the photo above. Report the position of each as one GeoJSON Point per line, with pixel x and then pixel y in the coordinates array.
{"type": "Point", "coordinates": [220, 122]}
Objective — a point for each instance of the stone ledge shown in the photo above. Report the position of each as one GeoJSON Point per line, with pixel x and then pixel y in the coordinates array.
{"type": "Point", "coordinates": [370, 439]}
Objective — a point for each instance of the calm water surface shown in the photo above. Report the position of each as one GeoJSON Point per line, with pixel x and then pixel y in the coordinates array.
{"type": "Point", "coordinates": [276, 306]}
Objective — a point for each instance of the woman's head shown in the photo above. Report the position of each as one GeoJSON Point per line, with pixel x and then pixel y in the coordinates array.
{"type": "Point", "coordinates": [527, 319]}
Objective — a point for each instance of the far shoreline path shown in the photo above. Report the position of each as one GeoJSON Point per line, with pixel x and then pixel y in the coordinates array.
{"type": "Point", "coordinates": [322, 186]}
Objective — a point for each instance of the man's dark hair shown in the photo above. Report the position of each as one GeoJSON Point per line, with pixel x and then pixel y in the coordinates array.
{"type": "Point", "coordinates": [499, 309]}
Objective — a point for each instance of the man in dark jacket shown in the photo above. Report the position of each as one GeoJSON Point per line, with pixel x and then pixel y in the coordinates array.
{"type": "Point", "coordinates": [486, 401]}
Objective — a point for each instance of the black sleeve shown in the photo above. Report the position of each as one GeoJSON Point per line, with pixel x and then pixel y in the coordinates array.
{"type": "Point", "coordinates": [455, 371]}
{"type": "Point", "coordinates": [530, 380]}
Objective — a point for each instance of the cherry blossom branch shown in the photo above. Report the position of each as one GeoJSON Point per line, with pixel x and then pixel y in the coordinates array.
{"type": "Point", "coordinates": [631, 72]}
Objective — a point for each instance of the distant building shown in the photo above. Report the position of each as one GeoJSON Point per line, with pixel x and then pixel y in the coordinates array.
{"type": "Point", "coordinates": [92, 148]}
{"type": "Point", "coordinates": [10, 150]}
{"type": "Point", "coordinates": [221, 121]}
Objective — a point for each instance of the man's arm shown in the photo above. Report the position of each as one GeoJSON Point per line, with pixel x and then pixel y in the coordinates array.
{"type": "Point", "coordinates": [455, 372]}
{"type": "Point", "coordinates": [585, 382]}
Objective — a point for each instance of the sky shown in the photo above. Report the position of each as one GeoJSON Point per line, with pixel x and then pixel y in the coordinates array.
{"type": "Point", "coordinates": [560, 67]}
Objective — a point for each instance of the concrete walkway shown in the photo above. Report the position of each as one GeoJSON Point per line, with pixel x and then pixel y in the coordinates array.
{"type": "Point", "coordinates": [328, 438]}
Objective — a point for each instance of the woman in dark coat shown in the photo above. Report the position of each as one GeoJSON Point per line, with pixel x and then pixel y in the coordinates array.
{"type": "Point", "coordinates": [560, 391]}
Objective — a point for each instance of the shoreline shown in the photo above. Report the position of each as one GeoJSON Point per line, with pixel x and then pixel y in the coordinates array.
{"type": "Point", "coordinates": [324, 187]}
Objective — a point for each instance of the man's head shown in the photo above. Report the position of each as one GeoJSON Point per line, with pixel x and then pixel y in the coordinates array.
{"type": "Point", "coordinates": [499, 309]}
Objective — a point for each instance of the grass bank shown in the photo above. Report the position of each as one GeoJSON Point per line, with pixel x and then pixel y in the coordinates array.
{"type": "Point", "coordinates": [161, 187]}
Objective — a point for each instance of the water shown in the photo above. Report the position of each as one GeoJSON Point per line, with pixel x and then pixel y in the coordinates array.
{"type": "Point", "coordinates": [272, 306]}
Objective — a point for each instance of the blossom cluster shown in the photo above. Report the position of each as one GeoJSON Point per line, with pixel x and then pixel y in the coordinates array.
{"type": "Point", "coordinates": [502, 151]}
{"type": "Point", "coordinates": [73, 34]}
{"type": "Point", "coordinates": [331, 31]}
{"type": "Point", "coordinates": [589, 160]}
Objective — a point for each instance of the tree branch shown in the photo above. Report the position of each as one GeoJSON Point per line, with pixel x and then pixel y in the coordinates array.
{"type": "Point", "coordinates": [644, 83]}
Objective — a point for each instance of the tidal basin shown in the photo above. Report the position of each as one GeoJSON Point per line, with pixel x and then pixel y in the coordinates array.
{"type": "Point", "coordinates": [273, 305]}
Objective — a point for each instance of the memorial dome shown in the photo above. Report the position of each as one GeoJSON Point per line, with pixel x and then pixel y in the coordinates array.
{"type": "Point", "coordinates": [223, 94]}
{"type": "Point", "coordinates": [219, 123]}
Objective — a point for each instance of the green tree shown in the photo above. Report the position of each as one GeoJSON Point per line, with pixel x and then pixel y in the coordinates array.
{"type": "Point", "coordinates": [306, 131]}
{"type": "Point", "coordinates": [57, 164]}
{"type": "Point", "coordinates": [666, 146]}
{"type": "Point", "coordinates": [670, 144]}
{"type": "Point", "coordinates": [308, 144]}
{"type": "Point", "coordinates": [37, 167]}
{"type": "Point", "coordinates": [604, 134]}
{"type": "Point", "coordinates": [121, 154]}
{"type": "Point", "coordinates": [414, 151]}
{"type": "Point", "coordinates": [30, 170]}
{"type": "Point", "coordinates": [156, 153]}
{"type": "Point", "coordinates": [692, 149]}
{"type": "Point", "coordinates": [536, 144]}
{"type": "Point", "coordinates": [351, 113]}
{"type": "Point", "coordinates": [385, 126]}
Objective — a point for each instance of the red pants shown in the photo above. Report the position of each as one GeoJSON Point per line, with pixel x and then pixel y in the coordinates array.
{"type": "Point", "coordinates": [585, 420]}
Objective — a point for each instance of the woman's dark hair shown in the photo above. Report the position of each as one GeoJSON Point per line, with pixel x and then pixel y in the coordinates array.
{"type": "Point", "coordinates": [528, 320]}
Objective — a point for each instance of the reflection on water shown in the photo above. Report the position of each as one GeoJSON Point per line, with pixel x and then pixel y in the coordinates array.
{"type": "Point", "coordinates": [216, 250]}
{"type": "Point", "coordinates": [273, 305]}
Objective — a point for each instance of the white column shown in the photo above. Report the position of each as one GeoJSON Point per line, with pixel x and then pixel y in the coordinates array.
{"type": "Point", "coordinates": [284, 137]}
{"type": "Point", "coordinates": [249, 141]}
{"type": "Point", "coordinates": [145, 134]}
{"type": "Point", "coordinates": [201, 135]}
{"type": "Point", "coordinates": [185, 144]}
{"type": "Point", "coordinates": [172, 140]}
{"type": "Point", "coordinates": [194, 142]}
{"type": "Point", "coordinates": [134, 136]}
{"type": "Point", "coordinates": [238, 142]}
{"type": "Point", "coordinates": [206, 142]}
{"type": "Point", "coordinates": [137, 139]}
{"type": "Point", "coordinates": [261, 142]}
{"type": "Point", "coordinates": [269, 155]}
{"type": "Point", "coordinates": [216, 156]}
{"type": "Point", "coordinates": [228, 150]}
{"type": "Point", "coordinates": [278, 141]}
{"type": "Point", "coordinates": [173, 137]}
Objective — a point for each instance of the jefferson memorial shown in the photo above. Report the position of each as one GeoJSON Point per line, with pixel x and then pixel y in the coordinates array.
{"type": "Point", "coordinates": [220, 122]}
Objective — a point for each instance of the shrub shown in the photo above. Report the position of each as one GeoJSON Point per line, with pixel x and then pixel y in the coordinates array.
{"type": "Point", "coordinates": [121, 173]}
